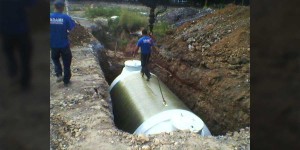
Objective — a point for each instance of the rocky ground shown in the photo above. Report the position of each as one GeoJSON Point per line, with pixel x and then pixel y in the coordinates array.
{"type": "Point", "coordinates": [206, 62]}
{"type": "Point", "coordinates": [81, 115]}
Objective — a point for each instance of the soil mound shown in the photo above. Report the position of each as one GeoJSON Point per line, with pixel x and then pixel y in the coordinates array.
{"type": "Point", "coordinates": [206, 62]}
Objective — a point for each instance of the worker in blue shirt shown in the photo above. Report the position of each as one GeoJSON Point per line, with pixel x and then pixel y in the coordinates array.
{"type": "Point", "coordinates": [60, 26]}
{"type": "Point", "coordinates": [146, 44]}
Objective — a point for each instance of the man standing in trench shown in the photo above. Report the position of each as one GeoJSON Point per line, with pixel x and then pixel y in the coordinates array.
{"type": "Point", "coordinates": [145, 43]}
{"type": "Point", "coordinates": [60, 26]}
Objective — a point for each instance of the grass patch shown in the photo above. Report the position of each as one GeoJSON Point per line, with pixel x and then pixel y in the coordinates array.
{"type": "Point", "coordinates": [129, 20]}
{"type": "Point", "coordinates": [132, 21]}
{"type": "Point", "coordinates": [160, 29]}
{"type": "Point", "coordinates": [102, 12]}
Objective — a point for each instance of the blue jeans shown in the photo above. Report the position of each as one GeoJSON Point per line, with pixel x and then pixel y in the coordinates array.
{"type": "Point", "coordinates": [66, 55]}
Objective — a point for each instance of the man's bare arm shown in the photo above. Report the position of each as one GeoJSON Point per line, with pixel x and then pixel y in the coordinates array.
{"type": "Point", "coordinates": [136, 49]}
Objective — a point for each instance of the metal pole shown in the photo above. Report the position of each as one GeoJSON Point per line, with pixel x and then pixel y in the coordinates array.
{"type": "Point", "coordinates": [67, 6]}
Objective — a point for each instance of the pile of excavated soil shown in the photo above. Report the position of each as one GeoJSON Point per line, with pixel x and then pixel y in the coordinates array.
{"type": "Point", "coordinates": [209, 63]}
{"type": "Point", "coordinates": [179, 16]}
{"type": "Point", "coordinates": [79, 35]}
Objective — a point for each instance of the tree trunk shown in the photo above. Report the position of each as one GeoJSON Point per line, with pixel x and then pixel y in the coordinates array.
{"type": "Point", "coordinates": [242, 2]}
{"type": "Point", "coordinates": [205, 5]}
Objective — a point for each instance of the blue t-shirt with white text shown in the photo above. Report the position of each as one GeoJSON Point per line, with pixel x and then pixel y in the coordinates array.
{"type": "Point", "coordinates": [60, 24]}
{"type": "Point", "coordinates": [145, 43]}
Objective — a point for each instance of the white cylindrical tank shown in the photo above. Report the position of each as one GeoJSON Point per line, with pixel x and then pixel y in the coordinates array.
{"type": "Point", "coordinates": [138, 105]}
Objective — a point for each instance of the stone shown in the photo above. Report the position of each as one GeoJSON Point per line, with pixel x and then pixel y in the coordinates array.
{"type": "Point", "coordinates": [101, 21]}
{"type": "Point", "coordinates": [206, 45]}
{"type": "Point", "coordinates": [198, 48]}
{"type": "Point", "coordinates": [146, 147]}
{"type": "Point", "coordinates": [142, 138]}
{"type": "Point", "coordinates": [190, 40]}
{"type": "Point", "coordinates": [156, 141]}
{"type": "Point", "coordinates": [191, 47]}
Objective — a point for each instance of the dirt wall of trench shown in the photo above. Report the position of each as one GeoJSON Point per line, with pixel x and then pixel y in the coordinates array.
{"type": "Point", "coordinates": [207, 64]}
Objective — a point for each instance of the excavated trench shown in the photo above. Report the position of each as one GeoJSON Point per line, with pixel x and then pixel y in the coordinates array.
{"type": "Point", "coordinates": [112, 67]}
{"type": "Point", "coordinates": [214, 83]}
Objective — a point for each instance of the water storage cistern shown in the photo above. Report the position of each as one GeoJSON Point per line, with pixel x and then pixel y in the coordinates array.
{"type": "Point", "coordinates": [149, 107]}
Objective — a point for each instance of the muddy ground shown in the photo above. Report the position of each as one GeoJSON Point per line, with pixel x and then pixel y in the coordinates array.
{"type": "Point", "coordinates": [212, 81]}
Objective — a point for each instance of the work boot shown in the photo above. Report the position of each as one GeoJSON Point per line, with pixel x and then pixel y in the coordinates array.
{"type": "Point", "coordinates": [67, 83]}
{"type": "Point", "coordinates": [148, 78]}
{"type": "Point", "coordinates": [59, 79]}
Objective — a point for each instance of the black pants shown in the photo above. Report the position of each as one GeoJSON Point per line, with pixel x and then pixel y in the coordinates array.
{"type": "Point", "coordinates": [144, 62]}
{"type": "Point", "coordinates": [21, 43]}
{"type": "Point", "coordinates": [66, 55]}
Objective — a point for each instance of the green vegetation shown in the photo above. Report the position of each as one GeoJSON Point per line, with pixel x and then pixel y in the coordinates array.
{"type": "Point", "coordinates": [160, 29]}
{"type": "Point", "coordinates": [132, 21]}
{"type": "Point", "coordinates": [103, 12]}
{"type": "Point", "coordinates": [123, 42]}
{"type": "Point", "coordinates": [75, 8]}
{"type": "Point", "coordinates": [128, 20]}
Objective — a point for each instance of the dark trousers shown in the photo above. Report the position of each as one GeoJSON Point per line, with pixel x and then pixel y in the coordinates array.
{"type": "Point", "coordinates": [144, 62]}
{"type": "Point", "coordinates": [22, 44]}
{"type": "Point", "coordinates": [66, 55]}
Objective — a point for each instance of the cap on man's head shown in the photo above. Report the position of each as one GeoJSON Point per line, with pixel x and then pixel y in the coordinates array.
{"type": "Point", "coordinates": [59, 3]}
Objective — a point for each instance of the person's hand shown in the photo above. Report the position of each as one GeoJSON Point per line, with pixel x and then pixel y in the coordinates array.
{"type": "Point", "coordinates": [133, 53]}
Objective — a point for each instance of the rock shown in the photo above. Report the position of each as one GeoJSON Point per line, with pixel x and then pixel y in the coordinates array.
{"type": "Point", "coordinates": [156, 141]}
{"type": "Point", "coordinates": [136, 147]}
{"type": "Point", "coordinates": [101, 21]}
{"type": "Point", "coordinates": [96, 107]}
{"type": "Point", "coordinates": [190, 40]}
{"type": "Point", "coordinates": [142, 138]}
{"type": "Point", "coordinates": [243, 60]}
{"type": "Point", "coordinates": [198, 48]}
{"type": "Point", "coordinates": [206, 45]}
{"type": "Point", "coordinates": [233, 61]}
{"type": "Point", "coordinates": [146, 147]}
{"type": "Point", "coordinates": [191, 47]}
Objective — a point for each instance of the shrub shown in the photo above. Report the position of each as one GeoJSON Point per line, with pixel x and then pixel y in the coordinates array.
{"type": "Point", "coordinates": [132, 21]}
{"type": "Point", "coordinates": [160, 29]}
{"type": "Point", "coordinates": [103, 12]}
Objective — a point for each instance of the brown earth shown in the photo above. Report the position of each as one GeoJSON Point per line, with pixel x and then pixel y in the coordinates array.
{"type": "Point", "coordinates": [207, 64]}
{"type": "Point", "coordinates": [81, 115]}
{"type": "Point", "coordinates": [79, 35]}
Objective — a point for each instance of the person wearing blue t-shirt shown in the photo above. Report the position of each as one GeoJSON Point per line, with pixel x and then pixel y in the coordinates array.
{"type": "Point", "coordinates": [60, 26]}
{"type": "Point", "coordinates": [145, 43]}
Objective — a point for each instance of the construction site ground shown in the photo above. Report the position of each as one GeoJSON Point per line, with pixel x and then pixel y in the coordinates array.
{"type": "Point", "coordinates": [81, 114]}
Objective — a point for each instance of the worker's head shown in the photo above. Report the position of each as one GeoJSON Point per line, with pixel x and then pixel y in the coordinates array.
{"type": "Point", "coordinates": [144, 32]}
{"type": "Point", "coordinates": [59, 5]}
